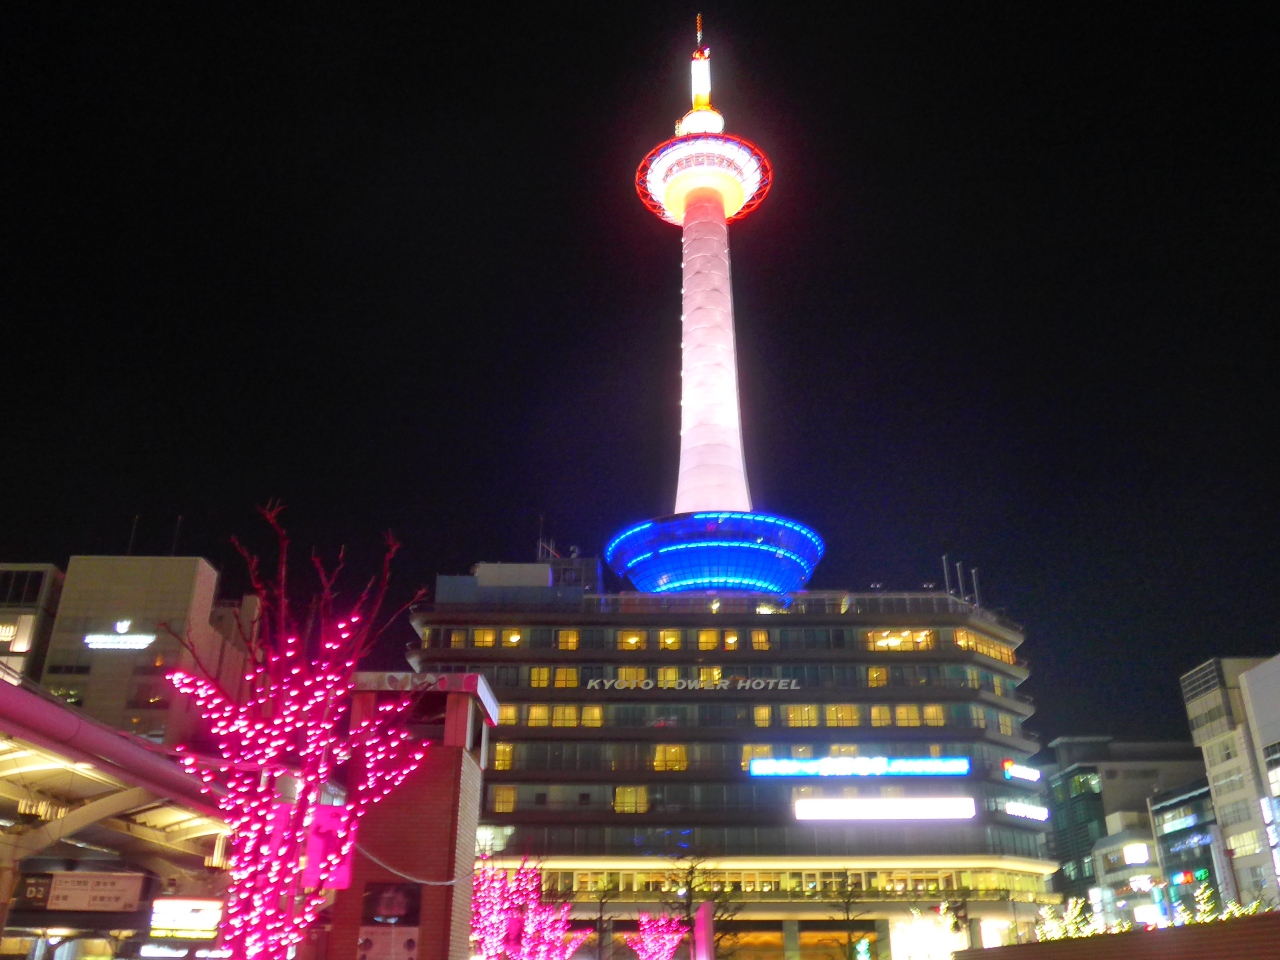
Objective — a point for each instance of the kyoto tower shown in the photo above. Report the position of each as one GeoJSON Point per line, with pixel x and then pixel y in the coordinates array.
{"type": "Point", "coordinates": [702, 180]}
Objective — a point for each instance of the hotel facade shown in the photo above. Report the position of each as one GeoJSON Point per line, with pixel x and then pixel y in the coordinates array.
{"type": "Point", "coordinates": [797, 751]}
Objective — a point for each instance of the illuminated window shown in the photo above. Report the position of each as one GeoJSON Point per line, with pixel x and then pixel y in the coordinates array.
{"type": "Point", "coordinates": [566, 676]}
{"type": "Point", "coordinates": [502, 753]}
{"type": "Point", "coordinates": [567, 639]}
{"type": "Point", "coordinates": [458, 639]}
{"type": "Point", "coordinates": [877, 676]}
{"type": "Point", "coordinates": [731, 639]}
{"type": "Point", "coordinates": [708, 639]}
{"type": "Point", "coordinates": [564, 715]}
{"type": "Point", "coordinates": [998, 685]}
{"type": "Point", "coordinates": [896, 639]}
{"type": "Point", "coordinates": [980, 643]}
{"type": "Point", "coordinates": [755, 751]}
{"type": "Point", "coordinates": [667, 676]}
{"type": "Point", "coordinates": [761, 713]}
{"type": "Point", "coordinates": [508, 714]}
{"type": "Point", "coordinates": [539, 676]}
{"type": "Point", "coordinates": [632, 639]}
{"type": "Point", "coordinates": [844, 750]}
{"type": "Point", "coordinates": [504, 799]}
{"type": "Point", "coordinates": [1245, 844]}
{"type": "Point", "coordinates": [881, 716]}
{"type": "Point", "coordinates": [511, 638]}
{"type": "Point", "coordinates": [631, 799]}
{"type": "Point", "coordinates": [842, 715]}
{"type": "Point", "coordinates": [935, 749]}
{"type": "Point", "coordinates": [801, 714]}
{"type": "Point", "coordinates": [668, 639]}
{"type": "Point", "coordinates": [978, 717]}
{"type": "Point", "coordinates": [1006, 724]}
{"type": "Point", "coordinates": [973, 678]}
{"type": "Point", "coordinates": [709, 675]}
{"type": "Point", "coordinates": [631, 674]}
{"type": "Point", "coordinates": [893, 792]}
{"type": "Point", "coordinates": [670, 756]}
{"type": "Point", "coordinates": [906, 715]}
{"type": "Point", "coordinates": [759, 639]}
{"type": "Point", "coordinates": [801, 751]}
{"type": "Point", "coordinates": [934, 715]}
{"type": "Point", "coordinates": [539, 715]}
{"type": "Point", "coordinates": [483, 637]}
{"type": "Point", "coordinates": [592, 715]}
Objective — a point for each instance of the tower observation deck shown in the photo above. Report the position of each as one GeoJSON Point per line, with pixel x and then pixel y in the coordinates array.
{"type": "Point", "coordinates": [702, 180]}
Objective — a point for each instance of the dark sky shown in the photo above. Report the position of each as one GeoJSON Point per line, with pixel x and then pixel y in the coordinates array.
{"type": "Point", "coordinates": [1008, 299]}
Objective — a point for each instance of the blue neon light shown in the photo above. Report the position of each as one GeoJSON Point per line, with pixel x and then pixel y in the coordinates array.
{"type": "Point", "coordinates": [751, 552]}
{"type": "Point", "coordinates": [862, 767]}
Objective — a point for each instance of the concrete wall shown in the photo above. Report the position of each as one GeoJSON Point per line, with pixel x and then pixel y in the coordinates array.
{"type": "Point", "coordinates": [1247, 938]}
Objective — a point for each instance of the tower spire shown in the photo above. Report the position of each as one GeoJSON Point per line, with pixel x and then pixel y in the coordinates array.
{"type": "Point", "coordinates": [699, 29]}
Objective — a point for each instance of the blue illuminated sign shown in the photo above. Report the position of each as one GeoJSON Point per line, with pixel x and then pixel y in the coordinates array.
{"type": "Point", "coordinates": [862, 767]}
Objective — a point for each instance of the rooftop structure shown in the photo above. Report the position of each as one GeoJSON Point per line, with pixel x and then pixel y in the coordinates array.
{"type": "Point", "coordinates": [702, 180]}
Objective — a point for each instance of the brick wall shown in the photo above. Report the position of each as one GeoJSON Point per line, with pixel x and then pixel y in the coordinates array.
{"type": "Point", "coordinates": [1246, 938]}
{"type": "Point", "coordinates": [425, 828]}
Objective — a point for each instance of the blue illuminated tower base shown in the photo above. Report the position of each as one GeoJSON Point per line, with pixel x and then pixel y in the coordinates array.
{"type": "Point", "coordinates": [751, 552]}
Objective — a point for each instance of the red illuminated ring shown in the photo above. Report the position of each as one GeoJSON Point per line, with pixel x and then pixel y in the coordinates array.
{"type": "Point", "coordinates": [753, 201]}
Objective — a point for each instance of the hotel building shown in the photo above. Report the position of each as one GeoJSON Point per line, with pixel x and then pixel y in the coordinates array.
{"type": "Point", "coordinates": [778, 740]}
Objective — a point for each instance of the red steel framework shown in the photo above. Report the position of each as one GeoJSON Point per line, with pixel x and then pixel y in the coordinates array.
{"type": "Point", "coordinates": [753, 201]}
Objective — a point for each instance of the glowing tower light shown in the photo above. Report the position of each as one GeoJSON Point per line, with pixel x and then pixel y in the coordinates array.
{"type": "Point", "coordinates": [702, 180]}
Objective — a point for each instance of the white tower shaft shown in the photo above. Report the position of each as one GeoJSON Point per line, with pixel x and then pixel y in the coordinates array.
{"type": "Point", "coordinates": [713, 473]}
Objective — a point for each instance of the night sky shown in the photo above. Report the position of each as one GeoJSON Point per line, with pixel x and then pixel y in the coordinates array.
{"type": "Point", "coordinates": [1008, 298]}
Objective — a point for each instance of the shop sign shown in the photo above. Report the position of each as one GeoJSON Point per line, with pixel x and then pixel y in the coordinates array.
{"type": "Point", "coordinates": [185, 918]}
{"type": "Point", "coordinates": [733, 683]}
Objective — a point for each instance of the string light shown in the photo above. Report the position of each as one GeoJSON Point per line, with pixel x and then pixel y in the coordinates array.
{"type": "Point", "coordinates": [659, 937]}
{"type": "Point", "coordinates": [509, 919]}
{"type": "Point", "coordinates": [293, 729]}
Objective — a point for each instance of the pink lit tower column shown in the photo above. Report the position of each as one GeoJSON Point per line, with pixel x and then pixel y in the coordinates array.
{"type": "Point", "coordinates": [702, 180]}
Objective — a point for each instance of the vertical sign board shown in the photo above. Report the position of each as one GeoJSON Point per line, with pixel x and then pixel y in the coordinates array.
{"type": "Point", "coordinates": [704, 932]}
{"type": "Point", "coordinates": [389, 921]}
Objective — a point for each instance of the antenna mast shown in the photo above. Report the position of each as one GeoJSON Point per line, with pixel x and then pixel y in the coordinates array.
{"type": "Point", "coordinates": [699, 29]}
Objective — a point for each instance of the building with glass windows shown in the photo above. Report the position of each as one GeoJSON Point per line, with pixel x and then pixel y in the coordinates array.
{"type": "Point", "coordinates": [1094, 778]}
{"type": "Point", "coordinates": [1189, 845]}
{"type": "Point", "coordinates": [800, 746]}
{"type": "Point", "coordinates": [29, 594]}
{"type": "Point", "coordinates": [1223, 707]}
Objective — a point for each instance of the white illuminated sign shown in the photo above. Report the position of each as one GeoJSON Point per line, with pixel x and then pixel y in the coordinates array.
{"type": "Point", "coordinates": [122, 639]}
{"type": "Point", "coordinates": [1016, 808]}
{"type": "Point", "coordinates": [861, 767]}
{"type": "Point", "coordinates": [184, 918]}
{"type": "Point", "coordinates": [1141, 884]}
{"type": "Point", "coordinates": [157, 950]}
{"type": "Point", "coordinates": [886, 808]}
{"type": "Point", "coordinates": [1136, 853]}
{"type": "Point", "coordinates": [1018, 771]}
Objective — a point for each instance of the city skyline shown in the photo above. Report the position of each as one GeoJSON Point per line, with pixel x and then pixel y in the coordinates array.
{"type": "Point", "coordinates": [1002, 304]}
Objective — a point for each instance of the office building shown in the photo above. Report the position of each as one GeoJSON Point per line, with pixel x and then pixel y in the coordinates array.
{"type": "Point", "coordinates": [29, 594]}
{"type": "Point", "coordinates": [1216, 710]}
{"type": "Point", "coordinates": [124, 622]}
{"type": "Point", "coordinates": [779, 738]}
{"type": "Point", "coordinates": [1189, 845]}
{"type": "Point", "coordinates": [1092, 778]}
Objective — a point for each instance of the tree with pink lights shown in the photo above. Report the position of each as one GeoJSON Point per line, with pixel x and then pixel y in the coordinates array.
{"type": "Point", "coordinates": [286, 737]}
{"type": "Point", "coordinates": [659, 937]}
{"type": "Point", "coordinates": [509, 919]}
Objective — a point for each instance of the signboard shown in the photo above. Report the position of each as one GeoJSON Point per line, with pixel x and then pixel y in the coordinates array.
{"type": "Point", "coordinates": [80, 892]}
{"type": "Point", "coordinates": [185, 918]}
{"type": "Point", "coordinates": [472, 683]}
{"type": "Point", "coordinates": [389, 921]}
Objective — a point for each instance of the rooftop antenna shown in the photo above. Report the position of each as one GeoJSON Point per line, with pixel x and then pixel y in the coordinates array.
{"type": "Point", "coordinates": [133, 533]}
{"type": "Point", "coordinates": [960, 578]}
{"type": "Point", "coordinates": [177, 528]}
{"type": "Point", "coordinates": [946, 574]}
{"type": "Point", "coordinates": [699, 29]}
{"type": "Point", "coordinates": [973, 575]}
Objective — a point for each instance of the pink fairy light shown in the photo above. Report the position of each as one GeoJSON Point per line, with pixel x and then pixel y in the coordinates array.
{"type": "Point", "coordinates": [659, 937]}
{"type": "Point", "coordinates": [280, 744]}
{"type": "Point", "coordinates": [509, 919]}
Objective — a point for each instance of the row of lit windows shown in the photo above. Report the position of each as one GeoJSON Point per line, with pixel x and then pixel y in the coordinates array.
{"type": "Point", "coordinates": [634, 639]}
{"type": "Point", "coordinates": [802, 676]}
{"type": "Point", "coordinates": [760, 715]}
{"type": "Point", "coordinates": [674, 757]}
{"type": "Point", "coordinates": [792, 840]}
{"type": "Point", "coordinates": [801, 882]}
